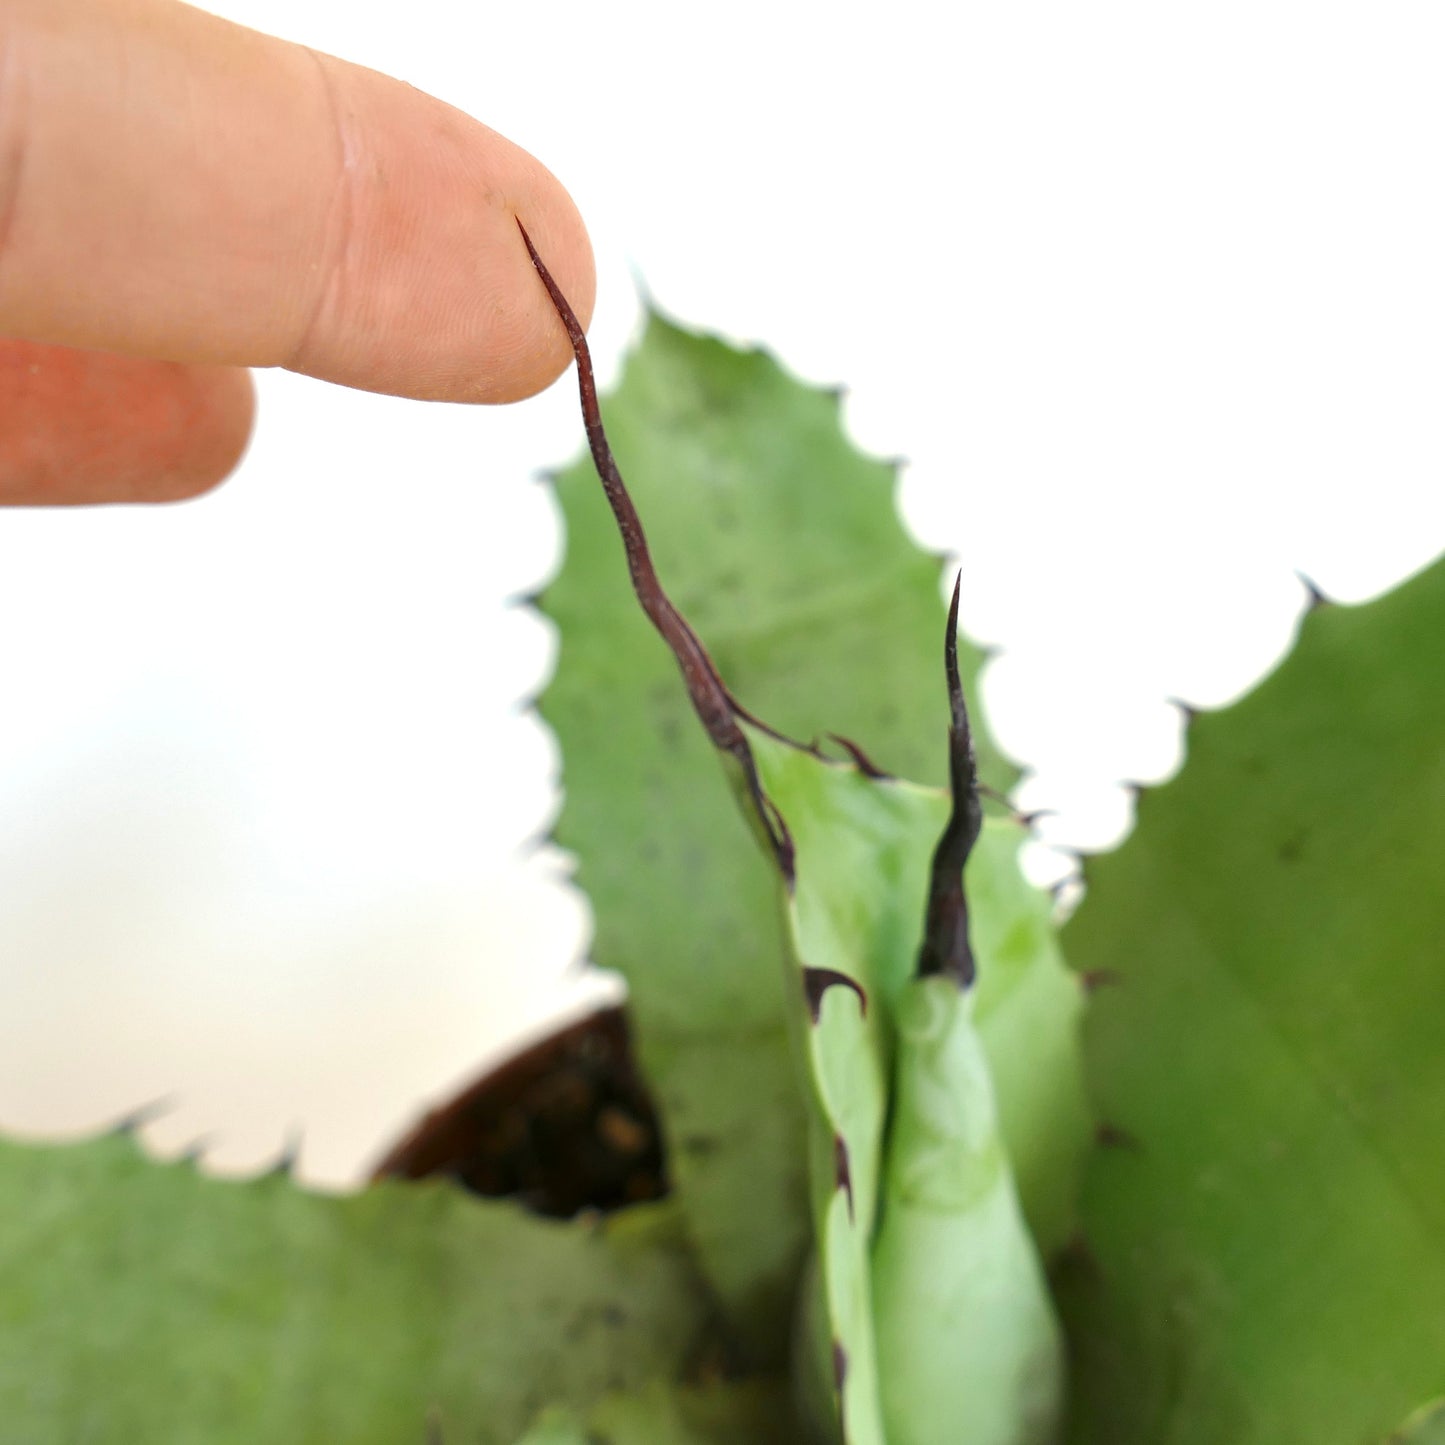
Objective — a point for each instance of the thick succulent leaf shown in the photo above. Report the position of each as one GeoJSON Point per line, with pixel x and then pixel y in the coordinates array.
{"type": "Point", "coordinates": [968, 1345]}
{"type": "Point", "coordinates": [981, 1336]}
{"type": "Point", "coordinates": [144, 1302]}
{"type": "Point", "coordinates": [752, 1412]}
{"type": "Point", "coordinates": [780, 543]}
{"type": "Point", "coordinates": [1264, 1258]}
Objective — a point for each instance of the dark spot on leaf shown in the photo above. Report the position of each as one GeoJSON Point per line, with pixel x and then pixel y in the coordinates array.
{"type": "Point", "coordinates": [1111, 1136]}
{"type": "Point", "coordinates": [1096, 978]}
{"type": "Point", "coordinates": [1076, 1261]}
{"type": "Point", "coordinates": [817, 981]}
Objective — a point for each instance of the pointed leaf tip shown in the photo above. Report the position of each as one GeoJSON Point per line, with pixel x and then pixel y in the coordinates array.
{"type": "Point", "coordinates": [716, 708]}
{"type": "Point", "coordinates": [946, 948]}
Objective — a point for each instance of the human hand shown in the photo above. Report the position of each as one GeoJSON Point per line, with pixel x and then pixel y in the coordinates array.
{"type": "Point", "coordinates": [182, 198]}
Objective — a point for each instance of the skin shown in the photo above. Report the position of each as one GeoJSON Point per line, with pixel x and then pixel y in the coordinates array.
{"type": "Point", "coordinates": [182, 198]}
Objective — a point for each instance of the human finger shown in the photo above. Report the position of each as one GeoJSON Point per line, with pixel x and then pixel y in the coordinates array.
{"type": "Point", "coordinates": [90, 426]}
{"type": "Point", "coordinates": [176, 186]}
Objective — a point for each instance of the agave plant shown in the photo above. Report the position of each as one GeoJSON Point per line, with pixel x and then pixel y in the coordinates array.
{"type": "Point", "coordinates": [866, 1161]}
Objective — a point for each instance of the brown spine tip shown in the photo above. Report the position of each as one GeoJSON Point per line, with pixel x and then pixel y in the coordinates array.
{"type": "Point", "coordinates": [817, 981]}
{"type": "Point", "coordinates": [714, 704]}
{"type": "Point", "coordinates": [840, 1366]}
{"type": "Point", "coordinates": [946, 949]}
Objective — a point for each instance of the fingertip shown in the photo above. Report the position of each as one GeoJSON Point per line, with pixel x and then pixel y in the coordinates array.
{"type": "Point", "coordinates": [541, 351]}
{"type": "Point", "coordinates": [431, 293]}
{"type": "Point", "coordinates": [184, 187]}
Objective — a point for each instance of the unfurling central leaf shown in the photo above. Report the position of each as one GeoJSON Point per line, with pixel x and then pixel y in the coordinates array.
{"type": "Point", "coordinates": [932, 1314]}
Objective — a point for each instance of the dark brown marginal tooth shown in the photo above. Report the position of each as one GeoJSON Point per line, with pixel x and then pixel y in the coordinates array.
{"type": "Point", "coordinates": [840, 1366]}
{"type": "Point", "coordinates": [545, 837]}
{"type": "Point", "coordinates": [817, 982]}
{"type": "Point", "coordinates": [1135, 790]}
{"type": "Point", "coordinates": [530, 701]}
{"type": "Point", "coordinates": [1058, 888]}
{"type": "Point", "coordinates": [1030, 819]}
{"type": "Point", "coordinates": [1187, 709]}
{"type": "Point", "coordinates": [715, 706]}
{"type": "Point", "coordinates": [1023, 819]}
{"type": "Point", "coordinates": [1093, 979]}
{"type": "Point", "coordinates": [946, 950]}
{"type": "Point", "coordinates": [842, 1173]}
{"type": "Point", "coordinates": [132, 1123]}
{"type": "Point", "coordinates": [864, 763]}
{"type": "Point", "coordinates": [290, 1156]}
{"type": "Point", "coordinates": [1111, 1136]}
{"type": "Point", "coordinates": [194, 1154]}
{"type": "Point", "coordinates": [1316, 595]}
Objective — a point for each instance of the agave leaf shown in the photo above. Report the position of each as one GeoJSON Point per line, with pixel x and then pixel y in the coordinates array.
{"type": "Point", "coordinates": [781, 545]}
{"type": "Point", "coordinates": [863, 850]}
{"type": "Point", "coordinates": [1265, 1257]}
{"type": "Point", "coordinates": [144, 1302]}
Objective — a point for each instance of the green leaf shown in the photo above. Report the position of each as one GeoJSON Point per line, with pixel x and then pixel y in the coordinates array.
{"type": "Point", "coordinates": [1265, 1257]}
{"type": "Point", "coordinates": [780, 544]}
{"type": "Point", "coordinates": [945, 1318]}
{"type": "Point", "coordinates": [144, 1302]}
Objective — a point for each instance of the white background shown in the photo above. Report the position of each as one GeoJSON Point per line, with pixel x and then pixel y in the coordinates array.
{"type": "Point", "coordinates": [1151, 297]}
